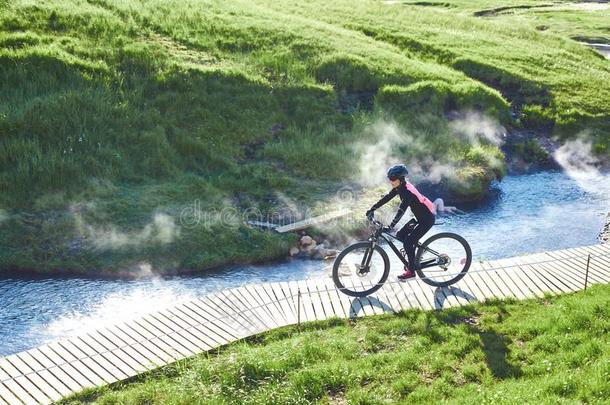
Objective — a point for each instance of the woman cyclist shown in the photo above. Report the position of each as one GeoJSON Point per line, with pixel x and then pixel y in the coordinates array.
{"type": "Point", "coordinates": [422, 209]}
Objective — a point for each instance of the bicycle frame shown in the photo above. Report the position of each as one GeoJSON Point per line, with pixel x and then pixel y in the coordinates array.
{"type": "Point", "coordinates": [384, 235]}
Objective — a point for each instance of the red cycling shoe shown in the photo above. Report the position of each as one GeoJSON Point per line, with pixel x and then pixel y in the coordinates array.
{"type": "Point", "coordinates": [406, 275]}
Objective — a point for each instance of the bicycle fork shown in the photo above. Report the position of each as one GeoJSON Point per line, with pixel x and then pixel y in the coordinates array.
{"type": "Point", "coordinates": [366, 259]}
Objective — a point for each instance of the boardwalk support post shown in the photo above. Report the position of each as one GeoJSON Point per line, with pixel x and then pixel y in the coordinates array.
{"type": "Point", "coordinates": [299, 308]}
{"type": "Point", "coordinates": [587, 271]}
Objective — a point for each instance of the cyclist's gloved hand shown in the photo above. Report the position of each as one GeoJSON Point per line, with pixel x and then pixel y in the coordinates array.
{"type": "Point", "coordinates": [369, 214]}
{"type": "Point", "coordinates": [387, 229]}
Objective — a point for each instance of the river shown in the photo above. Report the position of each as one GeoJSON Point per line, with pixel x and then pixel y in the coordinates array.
{"type": "Point", "coordinates": [529, 213]}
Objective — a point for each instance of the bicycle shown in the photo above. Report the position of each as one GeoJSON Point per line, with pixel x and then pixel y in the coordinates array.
{"type": "Point", "coordinates": [362, 268]}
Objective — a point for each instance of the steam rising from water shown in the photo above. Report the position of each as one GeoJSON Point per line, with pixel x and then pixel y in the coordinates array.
{"type": "Point", "coordinates": [475, 127]}
{"type": "Point", "coordinates": [162, 230]}
{"type": "Point", "coordinates": [389, 140]}
{"type": "Point", "coordinates": [577, 160]}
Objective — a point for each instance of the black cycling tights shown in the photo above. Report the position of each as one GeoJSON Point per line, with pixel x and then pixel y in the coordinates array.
{"type": "Point", "coordinates": [410, 238]}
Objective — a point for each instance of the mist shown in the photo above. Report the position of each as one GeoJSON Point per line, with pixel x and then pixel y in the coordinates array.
{"type": "Point", "coordinates": [577, 160]}
{"type": "Point", "coordinates": [161, 230]}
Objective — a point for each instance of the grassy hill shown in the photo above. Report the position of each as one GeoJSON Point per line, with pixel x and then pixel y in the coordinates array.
{"type": "Point", "coordinates": [115, 115]}
{"type": "Point", "coordinates": [544, 351]}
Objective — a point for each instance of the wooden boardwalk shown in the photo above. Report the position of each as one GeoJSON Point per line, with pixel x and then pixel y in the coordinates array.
{"type": "Point", "coordinates": [49, 372]}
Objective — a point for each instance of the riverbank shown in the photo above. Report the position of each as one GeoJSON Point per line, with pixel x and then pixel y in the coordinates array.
{"type": "Point", "coordinates": [531, 351]}
{"type": "Point", "coordinates": [136, 137]}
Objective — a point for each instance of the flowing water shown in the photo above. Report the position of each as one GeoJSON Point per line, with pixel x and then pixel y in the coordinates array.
{"type": "Point", "coordinates": [530, 213]}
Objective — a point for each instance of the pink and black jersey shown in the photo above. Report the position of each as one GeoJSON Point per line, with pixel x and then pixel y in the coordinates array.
{"type": "Point", "coordinates": [421, 206]}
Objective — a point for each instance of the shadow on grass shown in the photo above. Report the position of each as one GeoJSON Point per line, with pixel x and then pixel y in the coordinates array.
{"type": "Point", "coordinates": [495, 346]}
{"type": "Point", "coordinates": [359, 304]}
{"type": "Point", "coordinates": [441, 294]}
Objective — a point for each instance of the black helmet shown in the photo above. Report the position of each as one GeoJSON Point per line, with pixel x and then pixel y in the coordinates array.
{"type": "Point", "coordinates": [397, 172]}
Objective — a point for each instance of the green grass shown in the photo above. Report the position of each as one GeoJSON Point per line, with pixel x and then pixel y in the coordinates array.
{"type": "Point", "coordinates": [130, 109]}
{"type": "Point", "coordinates": [552, 350]}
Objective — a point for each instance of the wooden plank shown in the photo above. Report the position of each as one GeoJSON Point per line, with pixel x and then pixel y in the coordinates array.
{"type": "Point", "coordinates": [158, 348]}
{"type": "Point", "coordinates": [376, 299]}
{"type": "Point", "coordinates": [464, 292]}
{"type": "Point", "coordinates": [402, 301]}
{"type": "Point", "coordinates": [238, 322]}
{"type": "Point", "coordinates": [20, 392]}
{"type": "Point", "coordinates": [302, 305]}
{"type": "Point", "coordinates": [567, 283]}
{"type": "Point", "coordinates": [55, 369]}
{"type": "Point", "coordinates": [566, 272]}
{"type": "Point", "coordinates": [601, 252]}
{"type": "Point", "coordinates": [276, 306]}
{"type": "Point", "coordinates": [571, 265]}
{"type": "Point", "coordinates": [233, 323]}
{"type": "Point", "coordinates": [595, 271]}
{"type": "Point", "coordinates": [165, 349]}
{"type": "Point", "coordinates": [149, 359]}
{"type": "Point", "coordinates": [125, 353]}
{"type": "Point", "coordinates": [489, 277]}
{"type": "Point", "coordinates": [314, 298]}
{"type": "Point", "coordinates": [473, 287]}
{"type": "Point", "coordinates": [406, 295]}
{"type": "Point", "coordinates": [572, 270]}
{"type": "Point", "coordinates": [8, 397]}
{"type": "Point", "coordinates": [201, 339]}
{"type": "Point", "coordinates": [45, 374]}
{"type": "Point", "coordinates": [336, 303]}
{"type": "Point", "coordinates": [297, 226]}
{"type": "Point", "coordinates": [598, 263]}
{"type": "Point", "coordinates": [290, 298]}
{"type": "Point", "coordinates": [503, 280]}
{"type": "Point", "coordinates": [323, 307]}
{"type": "Point", "coordinates": [255, 302]}
{"type": "Point", "coordinates": [237, 298]}
{"type": "Point", "coordinates": [341, 302]}
{"type": "Point", "coordinates": [423, 291]}
{"type": "Point", "coordinates": [186, 339]}
{"type": "Point", "coordinates": [26, 370]}
{"type": "Point", "coordinates": [358, 307]}
{"type": "Point", "coordinates": [270, 306]}
{"type": "Point", "coordinates": [241, 302]}
{"type": "Point", "coordinates": [204, 322]}
{"type": "Point", "coordinates": [307, 305]}
{"type": "Point", "coordinates": [218, 328]}
{"type": "Point", "coordinates": [417, 301]}
{"type": "Point", "coordinates": [166, 335]}
{"type": "Point", "coordinates": [70, 365]}
{"type": "Point", "coordinates": [24, 382]}
{"type": "Point", "coordinates": [512, 271]}
{"type": "Point", "coordinates": [94, 372]}
{"type": "Point", "coordinates": [116, 366]}
{"type": "Point", "coordinates": [558, 284]}
{"type": "Point", "coordinates": [533, 277]}
{"type": "Point", "coordinates": [284, 302]}
{"type": "Point", "coordinates": [387, 303]}
{"type": "Point", "coordinates": [476, 275]}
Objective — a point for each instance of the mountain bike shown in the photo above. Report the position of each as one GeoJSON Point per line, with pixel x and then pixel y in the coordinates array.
{"type": "Point", "coordinates": [362, 268]}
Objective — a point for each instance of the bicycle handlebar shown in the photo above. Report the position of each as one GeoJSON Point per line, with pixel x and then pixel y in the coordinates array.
{"type": "Point", "coordinates": [375, 222]}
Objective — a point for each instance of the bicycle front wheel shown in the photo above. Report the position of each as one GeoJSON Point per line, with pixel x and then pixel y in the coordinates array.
{"type": "Point", "coordinates": [360, 270]}
{"type": "Point", "coordinates": [443, 259]}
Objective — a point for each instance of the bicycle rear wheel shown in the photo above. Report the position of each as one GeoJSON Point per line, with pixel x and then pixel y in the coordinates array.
{"type": "Point", "coordinates": [443, 259]}
{"type": "Point", "coordinates": [359, 271]}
